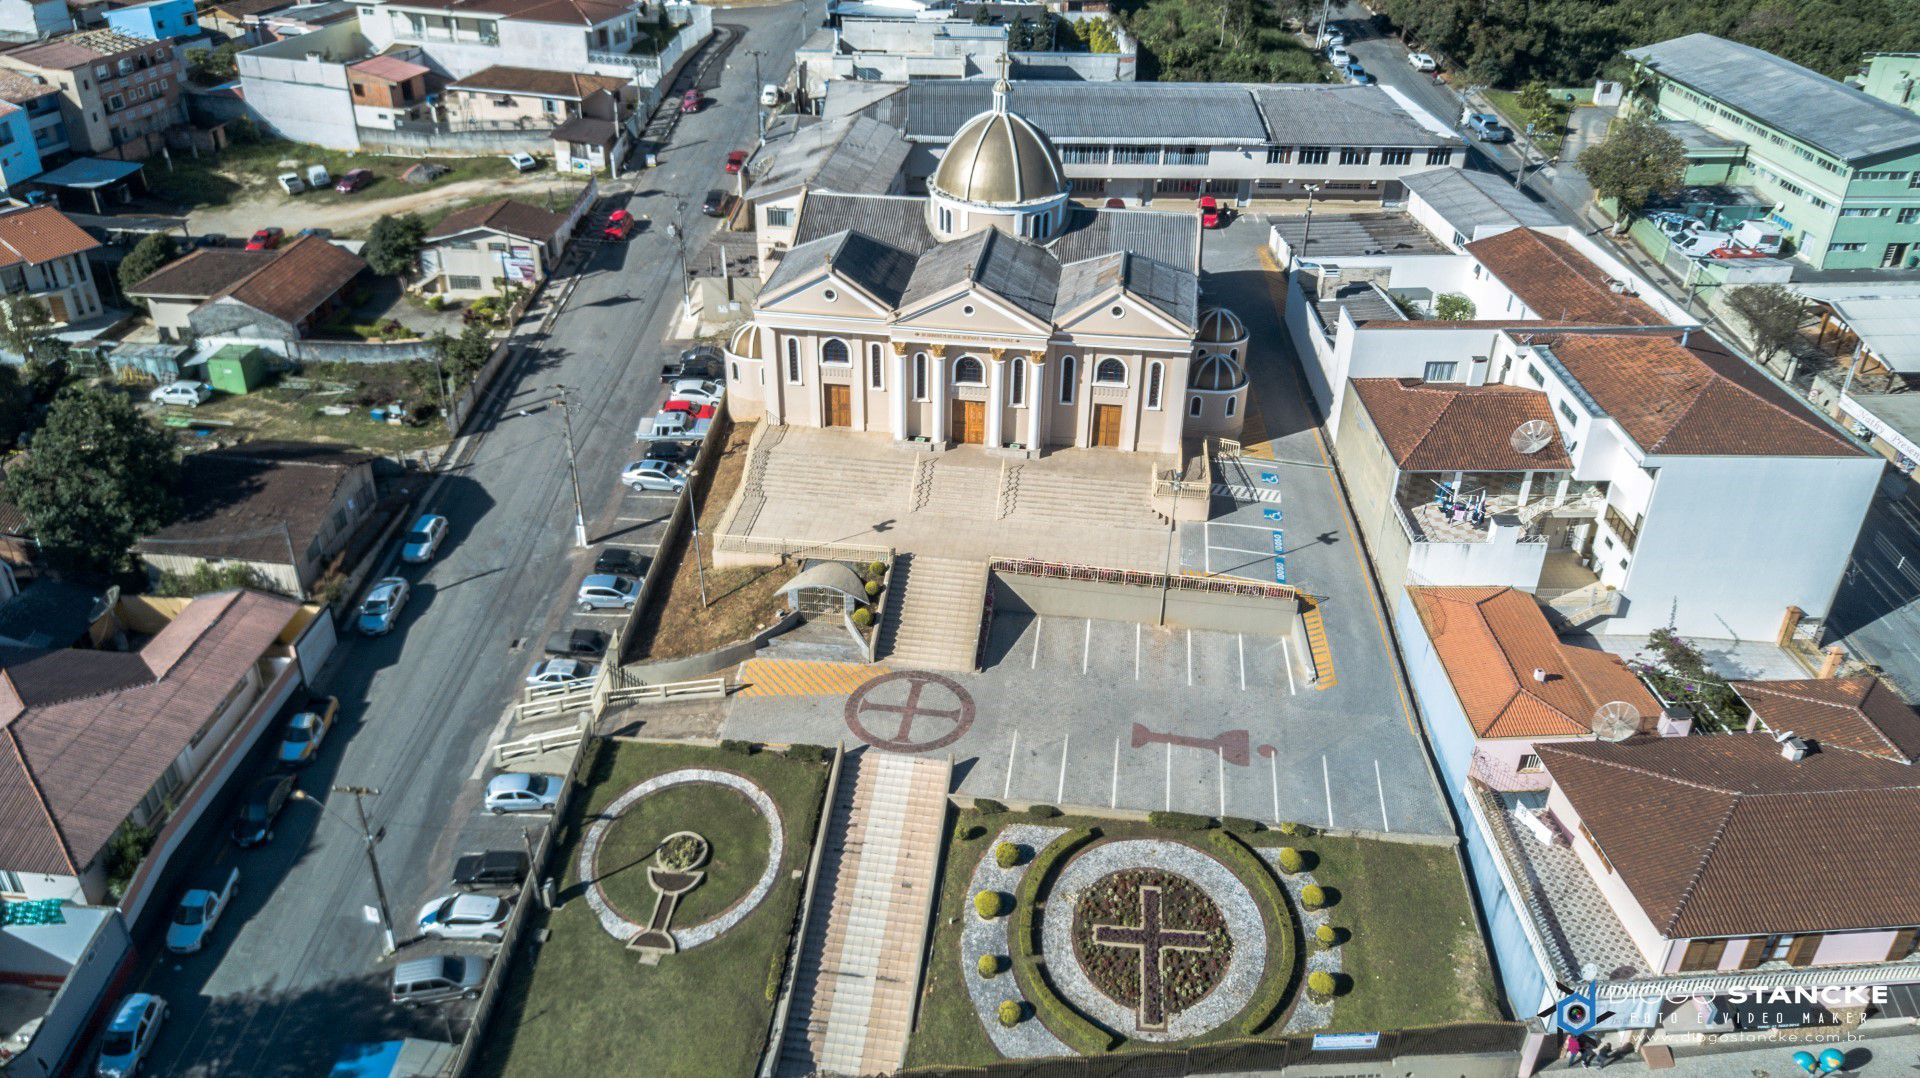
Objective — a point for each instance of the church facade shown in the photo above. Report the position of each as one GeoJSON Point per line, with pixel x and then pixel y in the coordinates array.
{"type": "Point", "coordinates": [993, 311]}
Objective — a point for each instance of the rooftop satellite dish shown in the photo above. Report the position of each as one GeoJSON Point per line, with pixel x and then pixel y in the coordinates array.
{"type": "Point", "coordinates": [1616, 720]}
{"type": "Point", "coordinates": [1532, 436]}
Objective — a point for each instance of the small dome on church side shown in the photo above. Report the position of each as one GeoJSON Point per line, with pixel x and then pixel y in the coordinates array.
{"type": "Point", "coordinates": [1220, 326]}
{"type": "Point", "coordinates": [745, 342]}
{"type": "Point", "coordinates": [1217, 372]}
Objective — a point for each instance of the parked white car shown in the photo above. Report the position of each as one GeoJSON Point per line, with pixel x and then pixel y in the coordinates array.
{"type": "Point", "coordinates": [1422, 61]}
{"type": "Point", "coordinates": [199, 910]}
{"type": "Point", "coordinates": [424, 540]}
{"type": "Point", "coordinates": [523, 162]}
{"type": "Point", "coordinates": [184, 394]}
{"type": "Point", "coordinates": [465, 917]}
{"type": "Point", "coordinates": [1338, 55]}
{"type": "Point", "coordinates": [1700, 243]}
{"type": "Point", "coordinates": [550, 672]}
{"type": "Point", "coordinates": [657, 475]}
{"type": "Point", "coordinates": [517, 791]}
{"type": "Point", "coordinates": [130, 1036]}
{"type": "Point", "coordinates": [383, 604]}
{"type": "Point", "coordinates": [769, 95]}
{"type": "Point", "coordinates": [698, 390]}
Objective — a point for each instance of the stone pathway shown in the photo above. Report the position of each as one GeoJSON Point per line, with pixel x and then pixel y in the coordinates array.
{"type": "Point", "coordinates": [1030, 1039]}
{"type": "Point", "coordinates": [1237, 907]}
{"type": "Point", "coordinates": [1307, 1015]}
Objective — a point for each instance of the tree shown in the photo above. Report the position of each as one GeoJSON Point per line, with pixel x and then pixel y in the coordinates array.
{"type": "Point", "coordinates": [153, 251]}
{"type": "Point", "coordinates": [97, 477]}
{"type": "Point", "coordinates": [1453, 307]}
{"type": "Point", "coordinates": [210, 67]}
{"type": "Point", "coordinates": [1772, 313]}
{"type": "Point", "coordinates": [1099, 35]}
{"type": "Point", "coordinates": [393, 244]}
{"type": "Point", "coordinates": [16, 404]}
{"type": "Point", "coordinates": [26, 328]}
{"type": "Point", "coordinates": [1636, 161]}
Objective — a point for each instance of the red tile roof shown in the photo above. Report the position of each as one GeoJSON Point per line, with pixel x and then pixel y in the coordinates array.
{"type": "Point", "coordinates": [84, 735]}
{"type": "Point", "coordinates": [1719, 835]}
{"type": "Point", "coordinates": [1556, 281]}
{"type": "Point", "coordinates": [1860, 714]}
{"type": "Point", "coordinates": [287, 283]}
{"type": "Point", "coordinates": [572, 85]}
{"type": "Point", "coordinates": [388, 68]}
{"type": "Point", "coordinates": [1692, 399]}
{"type": "Point", "coordinates": [1491, 640]}
{"type": "Point", "coordinates": [503, 215]}
{"type": "Point", "coordinates": [40, 234]}
{"type": "Point", "coordinates": [1436, 426]}
{"type": "Point", "coordinates": [274, 497]}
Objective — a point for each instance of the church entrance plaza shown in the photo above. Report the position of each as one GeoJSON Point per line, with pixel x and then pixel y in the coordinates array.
{"type": "Point", "coordinates": [814, 489]}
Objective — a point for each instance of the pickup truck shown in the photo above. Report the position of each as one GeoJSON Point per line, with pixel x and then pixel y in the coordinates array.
{"type": "Point", "coordinates": [686, 425]}
{"type": "Point", "coordinates": [1487, 126]}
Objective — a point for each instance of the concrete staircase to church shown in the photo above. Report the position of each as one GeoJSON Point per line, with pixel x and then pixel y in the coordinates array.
{"type": "Point", "coordinates": [933, 614]}
{"type": "Point", "coordinates": [1045, 497]}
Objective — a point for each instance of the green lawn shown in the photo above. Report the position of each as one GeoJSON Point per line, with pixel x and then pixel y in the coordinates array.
{"type": "Point", "coordinates": [948, 1033]}
{"type": "Point", "coordinates": [724, 817]}
{"type": "Point", "coordinates": [581, 1004]}
{"type": "Point", "coordinates": [280, 412]}
{"type": "Point", "coordinates": [1415, 957]}
{"type": "Point", "coordinates": [248, 168]}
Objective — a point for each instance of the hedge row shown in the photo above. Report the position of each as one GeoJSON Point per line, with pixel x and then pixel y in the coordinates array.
{"type": "Point", "coordinates": [1026, 928]}
{"type": "Point", "coordinates": [1272, 992]}
{"type": "Point", "coordinates": [1066, 1023]}
{"type": "Point", "coordinates": [1180, 821]}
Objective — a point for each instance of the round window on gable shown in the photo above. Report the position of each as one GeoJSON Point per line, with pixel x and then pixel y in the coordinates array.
{"type": "Point", "coordinates": [967, 310]}
{"type": "Point", "coordinates": [1117, 310]}
{"type": "Point", "coordinates": [829, 295]}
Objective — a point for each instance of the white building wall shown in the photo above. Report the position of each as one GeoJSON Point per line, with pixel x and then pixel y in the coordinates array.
{"type": "Point", "coordinates": [1730, 542]}
{"type": "Point", "coordinates": [298, 88]}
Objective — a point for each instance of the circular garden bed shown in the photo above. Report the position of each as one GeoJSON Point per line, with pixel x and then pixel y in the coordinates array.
{"type": "Point", "coordinates": [738, 854]}
{"type": "Point", "coordinates": [1121, 917]}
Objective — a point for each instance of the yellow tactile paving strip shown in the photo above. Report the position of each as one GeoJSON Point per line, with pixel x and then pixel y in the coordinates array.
{"type": "Point", "coordinates": [793, 677]}
{"type": "Point", "coordinates": [1324, 677]}
{"type": "Point", "coordinates": [1253, 431]}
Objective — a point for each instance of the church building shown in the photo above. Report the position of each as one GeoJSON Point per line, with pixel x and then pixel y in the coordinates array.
{"type": "Point", "coordinates": [993, 311]}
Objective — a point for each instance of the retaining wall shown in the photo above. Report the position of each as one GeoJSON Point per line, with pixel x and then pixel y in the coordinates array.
{"type": "Point", "coordinates": [1219, 611]}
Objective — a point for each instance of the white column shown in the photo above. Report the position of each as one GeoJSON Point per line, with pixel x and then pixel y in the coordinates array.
{"type": "Point", "coordinates": [996, 400]}
{"type": "Point", "coordinates": [937, 391]}
{"type": "Point", "coordinates": [1037, 401]}
{"type": "Point", "coordinates": [899, 392]}
{"type": "Point", "coordinates": [858, 389]}
{"type": "Point", "coordinates": [777, 381]}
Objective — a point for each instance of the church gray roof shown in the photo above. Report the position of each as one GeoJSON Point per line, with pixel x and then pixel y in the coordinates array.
{"type": "Point", "coordinates": [852, 156]}
{"type": "Point", "coordinates": [882, 270]}
{"type": "Point", "coordinates": [1024, 274]}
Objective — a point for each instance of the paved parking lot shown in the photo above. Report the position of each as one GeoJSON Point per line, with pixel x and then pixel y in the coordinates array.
{"type": "Point", "coordinates": [1107, 714]}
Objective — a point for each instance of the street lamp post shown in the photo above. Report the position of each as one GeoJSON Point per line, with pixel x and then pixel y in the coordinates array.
{"type": "Point", "coordinates": [693, 513]}
{"type": "Point", "coordinates": [1306, 235]}
{"type": "Point", "coordinates": [369, 839]}
{"type": "Point", "coordinates": [573, 471]}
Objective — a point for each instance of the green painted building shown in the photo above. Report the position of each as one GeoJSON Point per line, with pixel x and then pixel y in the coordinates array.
{"type": "Point", "coordinates": [1840, 166]}
{"type": "Point", "coordinates": [1893, 76]}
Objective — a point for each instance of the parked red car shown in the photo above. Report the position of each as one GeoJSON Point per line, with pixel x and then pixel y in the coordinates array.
{"type": "Point", "coordinates": [691, 101]}
{"type": "Point", "coordinates": [265, 240]}
{"type": "Point", "coordinates": [354, 181]}
{"type": "Point", "coordinates": [619, 225]}
{"type": "Point", "coordinates": [736, 160]}
{"type": "Point", "coordinates": [1210, 213]}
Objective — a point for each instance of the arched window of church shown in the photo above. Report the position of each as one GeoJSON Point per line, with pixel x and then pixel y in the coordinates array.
{"type": "Point", "coordinates": [919, 376]}
{"type": "Point", "coordinates": [873, 367]}
{"type": "Point", "coordinates": [1231, 402]}
{"type": "Point", "coordinates": [1017, 383]}
{"type": "Point", "coordinates": [834, 351]}
{"type": "Point", "coordinates": [1155, 374]}
{"type": "Point", "coordinates": [1110, 372]}
{"type": "Point", "coordinates": [1069, 374]}
{"type": "Point", "coordinates": [1193, 407]}
{"type": "Point", "coordinates": [967, 371]}
{"type": "Point", "coordinates": [793, 361]}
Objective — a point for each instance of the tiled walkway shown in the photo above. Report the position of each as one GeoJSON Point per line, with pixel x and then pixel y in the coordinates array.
{"type": "Point", "coordinates": [853, 994]}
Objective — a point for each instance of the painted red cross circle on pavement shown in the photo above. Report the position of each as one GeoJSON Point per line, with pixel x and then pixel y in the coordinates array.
{"type": "Point", "coordinates": [935, 702]}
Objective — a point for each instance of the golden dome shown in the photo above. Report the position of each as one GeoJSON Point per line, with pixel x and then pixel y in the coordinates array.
{"type": "Point", "coordinates": [745, 342]}
{"type": "Point", "coordinates": [1000, 158]}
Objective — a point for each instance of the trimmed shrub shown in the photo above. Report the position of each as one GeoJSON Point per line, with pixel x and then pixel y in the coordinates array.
{"type": "Point", "coordinates": [812, 754]}
{"type": "Point", "coordinates": [1313, 896]}
{"type": "Point", "coordinates": [876, 570]}
{"type": "Point", "coordinates": [1242, 824]}
{"type": "Point", "coordinates": [1320, 984]}
{"type": "Point", "coordinates": [873, 588]}
{"type": "Point", "coordinates": [989, 965]}
{"type": "Point", "coordinates": [1291, 861]}
{"type": "Point", "coordinates": [1271, 994]}
{"type": "Point", "coordinates": [863, 616]}
{"type": "Point", "coordinates": [988, 904]}
{"type": "Point", "coordinates": [775, 969]}
{"type": "Point", "coordinates": [1298, 830]}
{"type": "Point", "coordinates": [1009, 1013]}
{"type": "Point", "coordinates": [1006, 855]}
{"type": "Point", "coordinates": [968, 832]}
{"type": "Point", "coordinates": [742, 748]}
{"type": "Point", "coordinates": [1060, 1018]}
{"type": "Point", "coordinates": [1042, 812]}
{"type": "Point", "coordinates": [1327, 935]}
{"type": "Point", "coordinates": [1180, 821]}
{"type": "Point", "coordinates": [987, 806]}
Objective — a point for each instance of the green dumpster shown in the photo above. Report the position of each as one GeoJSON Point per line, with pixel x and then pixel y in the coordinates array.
{"type": "Point", "coordinates": [237, 369]}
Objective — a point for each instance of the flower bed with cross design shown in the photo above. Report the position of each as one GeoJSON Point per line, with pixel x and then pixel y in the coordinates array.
{"type": "Point", "coordinates": [1152, 941]}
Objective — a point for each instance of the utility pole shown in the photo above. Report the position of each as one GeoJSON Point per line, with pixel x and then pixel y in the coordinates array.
{"type": "Point", "coordinates": [693, 511]}
{"type": "Point", "coordinates": [757, 85]}
{"type": "Point", "coordinates": [1320, 38]}
{"type": "Point", "coordinates": [1306, 234]}
{"type": "Point", "coordinates": [573, 472]}
{"type": "Point", "coordinates": [373, 862]}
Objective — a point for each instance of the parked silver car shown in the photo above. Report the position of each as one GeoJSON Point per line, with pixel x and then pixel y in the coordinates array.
{"type": "Point", "coordinates": [465, 917]}
{"type": "Point", "coordinates": [518, 791]}
{"type": "Point", "coordinates": [383, 604]}
{"type": "Point", "coordinates": [603, 592]}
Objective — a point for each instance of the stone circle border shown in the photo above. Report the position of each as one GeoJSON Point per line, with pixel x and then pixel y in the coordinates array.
{"type": "Point", "coordinates": [622, 928]}
{"type": "Point", "coordinates": [1238, 907]}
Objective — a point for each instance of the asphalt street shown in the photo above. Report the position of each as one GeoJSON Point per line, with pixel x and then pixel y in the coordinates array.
{"type": "Point", "coordinates": [294, 970]}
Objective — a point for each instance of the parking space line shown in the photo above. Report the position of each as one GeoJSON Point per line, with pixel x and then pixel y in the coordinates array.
{"type": "Point", "coordinates": [1382, 789]}
{"type": "Point", "coordinates": [486, 754]}
{"type": "Point", "coordinates": [1060, 787]}
{"type": "Point", "coordinates": [1286, 653]}
{"type": "Point", "coordinates": [1241, 639]}
{"type": "Point", "coordinates": [1235, 524]}
{"type": "Point", "coordinates": [1136, 651]}
{"type": "Point", "coordinates": [1113, 793]}
{"type": "Point", "coordinates": [1189, 657]}
{"type": "Point", "coordinates": [1220, 757]}
{"type": "Point", "coordinates": [1327, 783]}
{"type": "Point", "coordinates": [1006, 786]}
{"type": "Point", "coordinates": [1034, 663]}
{"type": "Point", "coordinates": [1086, 647]}
{"type": "Point", "coordinates": [1168, 803]}
{"type": "Point", "coordinates": [1273, 772]}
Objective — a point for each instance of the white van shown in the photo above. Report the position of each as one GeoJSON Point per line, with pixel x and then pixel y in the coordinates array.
{"type": "Point", "coordinates": [318, 177]}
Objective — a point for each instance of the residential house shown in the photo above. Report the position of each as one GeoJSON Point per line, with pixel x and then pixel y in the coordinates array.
{"type": "Point", "coordinates": [30, 20]}
{"type": "Point", "coordinates": [119, 94]}
{"type": "Point", "coordinates": [43, 254]}
{"type": "Point", "coordinates": [525, 98]}
{"type": "Point", "coordinates": [1858, 714]}
{"type": "Point", "coordinates": [854, 155]}
{"type": "Point", "coordinates": [284, 510]}
{"type": "Point", "coordinates": [583, 144]}
{"type": "Point", "coordinates": [275, 295]}
{"type": "Point", "coordinates": [1840, 166]}
{"type": "Point", "coordinates": [19, 157]}
{"type": "Point", "coordinates": [46, 126]}
{"type": "Point", "coordinates": [162, 20]}
{"type": "Point", "coordinates": [1176, 141]}
{"type": "Point", "coordinates": [388, 91]}
{"type": "Point", "coordinates": [467, 36]}
{"type": "Point", "coordinates": [239, 20]}
{"type": "Point", "coordinates": [481, 250]}
{"type": "Point", "coordinates": [298, 21]}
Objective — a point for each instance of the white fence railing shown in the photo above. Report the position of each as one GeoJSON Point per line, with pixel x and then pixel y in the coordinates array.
{"type": "Point", "coordinates": [537, 744]}
{"type": "Point", "coordinates": [702, 689]}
